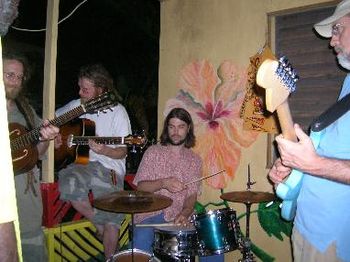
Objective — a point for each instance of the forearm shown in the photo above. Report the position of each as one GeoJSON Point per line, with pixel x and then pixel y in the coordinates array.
{"type": "Point", "coordinates": [114, 153]}
{"type": "Point", "coordinates": [150, 185]}
{"type": "Point", "coordinates": [330, 168]}
{"type": "Point", "coordinates": [188, 206]}
{"type": "Point", "coordinates": [42, 147]}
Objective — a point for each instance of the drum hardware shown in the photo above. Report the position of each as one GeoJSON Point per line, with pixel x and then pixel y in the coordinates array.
{"type": "Point", "coordinates": [245, 248]}
{"type": "Point", "coordinates": [132, 202]}
{"type": "Point", "coordinates": [248, 198]}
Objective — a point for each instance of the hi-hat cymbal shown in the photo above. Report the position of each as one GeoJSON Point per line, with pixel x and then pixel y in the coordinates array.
{"type": "Point", "coordinates": [248, 196]}
{"type": "Point", "coordinates": [131, 202]}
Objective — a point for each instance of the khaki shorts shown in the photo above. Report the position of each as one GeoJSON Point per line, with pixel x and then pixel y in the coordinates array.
{"type": "Point", "coordinates": [76, 181]}
{"type": "Point", "coordinates": [303, 251]}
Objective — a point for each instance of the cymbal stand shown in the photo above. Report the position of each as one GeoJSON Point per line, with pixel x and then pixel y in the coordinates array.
{"type": "Point", "coordinates": [248, 204]}
{"type": "Point", "coordinates": [245, 242]}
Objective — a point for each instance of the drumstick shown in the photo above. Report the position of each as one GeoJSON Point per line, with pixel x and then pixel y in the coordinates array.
{"type": "Point", "coordinates": [157, 225]}
{"type": "Point", "coordinates": [202, 178]}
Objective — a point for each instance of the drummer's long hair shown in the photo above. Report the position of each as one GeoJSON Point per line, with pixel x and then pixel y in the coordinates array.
{"type": "Point", "coordinates": [183, 115]}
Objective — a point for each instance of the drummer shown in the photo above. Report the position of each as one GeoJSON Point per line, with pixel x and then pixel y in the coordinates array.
{"type": "Point", "coordinates": [165, 168]}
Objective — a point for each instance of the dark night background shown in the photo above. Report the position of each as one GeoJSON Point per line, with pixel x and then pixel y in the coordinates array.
{"type": "Point", "coordinates": [121, 34]}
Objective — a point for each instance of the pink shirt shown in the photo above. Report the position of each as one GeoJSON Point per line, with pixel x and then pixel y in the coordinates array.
{"type": "Point", "coordinates": [157, 163]}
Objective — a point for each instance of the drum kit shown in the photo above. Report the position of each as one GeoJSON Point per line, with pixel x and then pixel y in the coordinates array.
{"type": "Point", "coordinates": [214, 232]}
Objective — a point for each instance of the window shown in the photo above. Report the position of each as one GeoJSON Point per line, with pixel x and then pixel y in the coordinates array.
{"type": "Point", "coordinates": [311, 56]}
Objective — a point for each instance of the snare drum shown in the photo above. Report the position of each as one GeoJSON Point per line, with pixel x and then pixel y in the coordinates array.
{"type": "Point", "coordinates": [176, 242]}
{"type": "Point", "coordinates": [139, 256]}
{"type": "Point", "coordinates": [217, 230]}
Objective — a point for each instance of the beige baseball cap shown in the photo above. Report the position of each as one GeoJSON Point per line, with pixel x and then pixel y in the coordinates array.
{"type": "Point", "coordinates": [324, 28]}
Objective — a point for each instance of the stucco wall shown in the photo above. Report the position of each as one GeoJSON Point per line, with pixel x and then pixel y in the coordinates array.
{"type": "Point", "coordinates": [220, 30]}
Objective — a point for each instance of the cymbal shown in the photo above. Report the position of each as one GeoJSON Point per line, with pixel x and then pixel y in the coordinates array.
{"type": "Point", "coordinates": [248, 196]}
{"type": "Point", "coordinates": [131, 202]}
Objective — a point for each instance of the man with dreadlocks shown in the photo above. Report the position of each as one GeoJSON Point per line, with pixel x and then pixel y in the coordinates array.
{"type": "Point", "coordinates": [104, 173]}
{"type": "Point", "coordinates": [28, 194]}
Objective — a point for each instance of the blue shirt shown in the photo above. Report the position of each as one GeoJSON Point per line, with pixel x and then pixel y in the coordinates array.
{"type": "Point", "coordinates": [323, 210]}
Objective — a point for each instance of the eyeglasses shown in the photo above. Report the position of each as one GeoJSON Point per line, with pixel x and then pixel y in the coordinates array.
{"type": "Point", "coordinates": [12, 76]}
{"type": "Point", "coordinates": [337, 29]}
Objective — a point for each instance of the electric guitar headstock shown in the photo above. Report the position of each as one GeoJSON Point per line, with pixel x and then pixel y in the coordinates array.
{"type": "Point", "coordinates": [279, 80]}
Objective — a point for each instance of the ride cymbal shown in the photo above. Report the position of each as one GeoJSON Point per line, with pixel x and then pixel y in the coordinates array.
{"type": "Point", "coordinates": [248, 196]}
{"type": "Point", "coordinates": [131, 202]}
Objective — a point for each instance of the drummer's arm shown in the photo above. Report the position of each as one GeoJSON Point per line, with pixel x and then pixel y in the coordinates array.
{"type": "Point", "coordinates": [171, 184]}
{"type": "Point", "coordinates": [187, 210]}
{"type": "Point", "coordinates": [149, 185]}
{"type": "Point", "coordinates": [188, 206]}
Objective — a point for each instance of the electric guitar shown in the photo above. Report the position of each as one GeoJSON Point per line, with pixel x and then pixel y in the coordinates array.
{"type": "Point", "coordinates": [279, 80]}
{"type": "Point", "coordinates": [23, 142]}
{"type": "Point", "coordinates": [75, 139]}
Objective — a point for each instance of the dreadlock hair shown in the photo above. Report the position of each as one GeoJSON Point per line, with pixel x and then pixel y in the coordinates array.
{"type": "Point", "coordinates": [98, 75]}
{"type": "Point", "coordinates": [183, 115]}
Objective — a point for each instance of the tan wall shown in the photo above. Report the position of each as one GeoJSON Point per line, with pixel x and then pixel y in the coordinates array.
{"type": "Point", "coordinates": [218, 30]}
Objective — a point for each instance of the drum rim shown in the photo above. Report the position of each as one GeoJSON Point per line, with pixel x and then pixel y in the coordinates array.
{"type": "Point", "coordinates": [136, 250]}
{"type": "Point", "coordinates": [215, 211]}
{"type": "Point", "coordinates": [167, 229]}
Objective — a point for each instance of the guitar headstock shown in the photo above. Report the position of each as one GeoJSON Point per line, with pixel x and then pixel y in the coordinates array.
{"type": "Point", "coordinates": [279, 79]}
{"type": "Point", "coordinates": [104, 101]}
{"type": "Point", "coordinates": [136, 140]}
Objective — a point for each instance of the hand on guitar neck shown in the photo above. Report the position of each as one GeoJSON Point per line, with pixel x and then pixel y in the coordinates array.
{"type": "Point", "coordinates": [23, 142]}
{"type": "Point", "coordinates": [279, 80]}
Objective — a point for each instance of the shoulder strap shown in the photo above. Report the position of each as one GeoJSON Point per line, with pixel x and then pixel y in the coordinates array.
{"type": "Point", "coordinates": [27, 112]}
{"type": "Point", "coordinates": [331, 114]}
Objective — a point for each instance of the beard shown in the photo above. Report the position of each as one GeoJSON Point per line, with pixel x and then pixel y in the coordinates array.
{"type": "Point", "coordinates": [12, 93]}
{"type": "Point", "coordinates": [178, 143]}
{"type": "Point", "coordinates": [344, 61]}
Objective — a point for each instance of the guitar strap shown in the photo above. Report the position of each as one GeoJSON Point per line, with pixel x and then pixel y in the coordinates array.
{"type": "Point", "coordinates": [24, 108]}
{"type": "Point", "coordinates": [331, 114]}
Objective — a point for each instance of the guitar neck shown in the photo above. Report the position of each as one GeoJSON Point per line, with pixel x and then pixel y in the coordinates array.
{"type": "Point", "coordinates": [33, 136]}
{"type": "Point", "coordinates": [286, 122]}
{"type": "Point", "coordinates": [84, 140]}
{"type": "Point", "coordinates": [68, 116]}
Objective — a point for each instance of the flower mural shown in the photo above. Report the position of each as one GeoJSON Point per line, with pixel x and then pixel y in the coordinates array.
{"type": "Point", "coordinates": [214, 99]}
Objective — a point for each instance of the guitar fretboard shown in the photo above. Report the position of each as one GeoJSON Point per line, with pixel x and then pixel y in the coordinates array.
{"type": "Point", "coordinates": [33, 136]}
{"type": "Point", "coordinates": [84, 140]}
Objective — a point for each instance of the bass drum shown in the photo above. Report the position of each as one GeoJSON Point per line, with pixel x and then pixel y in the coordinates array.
{"type": "Point", "coordinates": [139, 256]}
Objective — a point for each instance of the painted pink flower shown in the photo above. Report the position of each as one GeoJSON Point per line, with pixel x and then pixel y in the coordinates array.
{"type": "Point", "coordinates": [214, 99]}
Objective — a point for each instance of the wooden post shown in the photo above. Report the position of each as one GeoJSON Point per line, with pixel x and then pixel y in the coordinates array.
{"type": "Point", "coordinates": [50, 80]}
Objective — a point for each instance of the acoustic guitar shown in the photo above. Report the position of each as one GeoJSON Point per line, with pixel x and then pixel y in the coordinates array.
{"type": "Point", "coordinates": [23, 142]}
{"type": "Point", "coordinates": [75, 140]}
{"type": "Point", "coordinates": [279, 80]}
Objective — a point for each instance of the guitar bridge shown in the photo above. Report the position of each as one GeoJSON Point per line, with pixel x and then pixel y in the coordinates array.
{"type": "Point", "coordinates": [70, 141]}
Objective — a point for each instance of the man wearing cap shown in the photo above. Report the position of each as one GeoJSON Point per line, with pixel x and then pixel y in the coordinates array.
{"type": "Point", "coordinates": [322, 224]}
